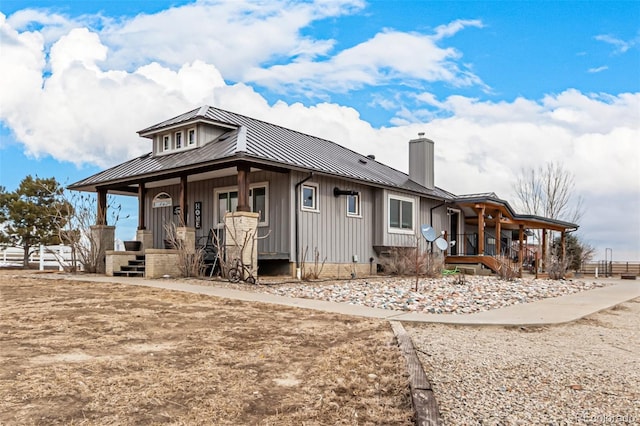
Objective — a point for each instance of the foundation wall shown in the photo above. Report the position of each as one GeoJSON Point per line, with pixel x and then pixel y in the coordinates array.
{"type": "Point", "coordinates": [116, 259]}
{"type": "Point", "coordinates": [160, 262]}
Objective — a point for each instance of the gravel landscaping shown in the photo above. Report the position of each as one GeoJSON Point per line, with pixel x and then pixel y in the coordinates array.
{"type": "Point", "coordinates": [434, 296]}
{"type": "Point", "coordinates": [583, 373]}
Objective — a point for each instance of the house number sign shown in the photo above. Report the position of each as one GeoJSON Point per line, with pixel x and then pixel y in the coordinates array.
{"type": "Point", "coordinates": [197, 213]}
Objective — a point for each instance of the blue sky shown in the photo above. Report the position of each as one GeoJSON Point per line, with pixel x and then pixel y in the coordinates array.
{"type": "Point", "coordinates": [498, 85]}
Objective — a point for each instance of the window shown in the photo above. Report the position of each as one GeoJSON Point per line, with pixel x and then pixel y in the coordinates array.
{"type": "Point", "coordinates": [178, 140]}
{"type": "Point", "coordinates": [353, 205]}
{"type": "Point", "coordinates": [400, 214]}
{"type": "Point", "coordinates": [166, 143]}
{"type": "Point", "coordinates": [227, 202]}
{"type": "Point", "coordinates": [309, 195]}
{"type": "Point", "coordinates": [258, 201]}
{"type": "Point", "coordinates": [191, 137]}
{"type": "Point", "coordinates": [227, 199]}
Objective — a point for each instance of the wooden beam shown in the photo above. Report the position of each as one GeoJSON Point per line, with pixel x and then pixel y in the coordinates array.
{"type": "Point", "coordinates": [101, 218]}
{"type": "Point", "coordinates": [544, 250]}
{"type": "Point", "coordinates": [183, 200]}
{"type": "Point", "coordinates": [142, 192]}
{"type": "Point", "coordinates": [498, 232]}
{"type": "Point", "coordinates": [243, 188]}
{"type": "Point", "coordinates": [520, 248]}
{"type": "Point", "coordinates": [481, 231]}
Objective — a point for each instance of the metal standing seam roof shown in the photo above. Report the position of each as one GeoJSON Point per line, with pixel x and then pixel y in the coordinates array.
{"type": "Point", "coordinates": [492, 197]}
{"type": "Point", "coordinates": [264, 141]}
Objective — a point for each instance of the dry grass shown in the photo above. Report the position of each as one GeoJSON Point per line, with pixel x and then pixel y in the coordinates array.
{"type": "Point", "coordinates": [86, 353]}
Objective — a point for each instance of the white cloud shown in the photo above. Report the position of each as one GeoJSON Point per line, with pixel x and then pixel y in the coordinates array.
{"type": "Point", "coordinates": [234, 35]}
{"type": "Point", "coordinates": [598, 69]}
{"type": "Point", "coordinates": [621, 46]}
{"type": "Point", "coordinates": [388, 57]}
{"type": "Point", "coordinates": [101, 89]}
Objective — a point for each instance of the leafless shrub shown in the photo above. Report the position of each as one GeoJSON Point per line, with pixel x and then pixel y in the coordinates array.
{"type": "Point", "coordinates": [412, 261]}
{"type": "Point", "coordinates": [507, 270]}
{"type": "Point", "coordinates": [80, 214]}
{"type": "Point", "coordinates": [190, 259]}
{"type": "Point", "coordinates": [557, 266]}
{"type": "Point", "coordinates": [315, 272]}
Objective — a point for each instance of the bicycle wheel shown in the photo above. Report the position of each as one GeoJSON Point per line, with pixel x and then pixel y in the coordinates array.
{"type": "Point", "coordinates": [234, 275]}
{"type": "Point", "coordinates": [251, 280]}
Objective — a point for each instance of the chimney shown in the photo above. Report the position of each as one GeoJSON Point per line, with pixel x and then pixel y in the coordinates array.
{"type": "Point", "coordinates": [421, 160]}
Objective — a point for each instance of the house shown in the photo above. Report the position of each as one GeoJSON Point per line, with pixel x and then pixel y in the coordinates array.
{"type": "Point", "coordinates": [302, 193]}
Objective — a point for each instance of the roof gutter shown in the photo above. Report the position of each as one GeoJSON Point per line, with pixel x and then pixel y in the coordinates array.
{"type": "Point", "coordinates": [297, 231]}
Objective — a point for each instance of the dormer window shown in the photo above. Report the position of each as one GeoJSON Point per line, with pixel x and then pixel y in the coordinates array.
{"type": "Point", "coordinates": [191, 137]}
{"type": "Point", "coordinates": [166, 143]}
{"type": "Point", "coordinates": [178, 140]}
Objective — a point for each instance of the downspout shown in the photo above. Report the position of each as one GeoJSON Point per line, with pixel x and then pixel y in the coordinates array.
{"type": "Point", "coordinates": [444, 203]}
{"type": "Point", "coordinates": [431, 212]}
{"type": "Point", "coordinates": [297, 231]}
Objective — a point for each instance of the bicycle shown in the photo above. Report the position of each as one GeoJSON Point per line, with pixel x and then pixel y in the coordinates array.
{"type": "Point", "coordinates": [238, 270]}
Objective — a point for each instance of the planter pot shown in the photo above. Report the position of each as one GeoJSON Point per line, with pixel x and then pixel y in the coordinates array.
{"type": "Point", "coordinates": [132, 245]}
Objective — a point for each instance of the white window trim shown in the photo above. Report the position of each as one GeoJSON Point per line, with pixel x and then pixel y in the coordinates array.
{"type": "Point", "coordinates": [359, 206]}
{"type": "Point", "coordinates": [175, 138]}
{"type": "Point", "coordinates": [315, 186]}
{"type": "Point", "coordinates": [392, 230]}
{"type": "Point", "coordinates": [226, 189]}
{"type": "Point", "coordinates": [195, 137]}
{"type": "Point", "coordinates": [162, 139]}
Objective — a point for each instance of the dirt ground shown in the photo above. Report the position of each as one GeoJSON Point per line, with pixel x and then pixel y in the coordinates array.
{"type": "Point", "coordinates": [86, 353]}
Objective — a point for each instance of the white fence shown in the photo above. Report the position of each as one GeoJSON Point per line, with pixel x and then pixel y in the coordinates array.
{"type": "Point", "coordinates": [46, 257]}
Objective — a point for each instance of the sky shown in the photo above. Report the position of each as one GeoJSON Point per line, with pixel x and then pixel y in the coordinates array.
{"type": "Point", "coordinates": [500, 86]}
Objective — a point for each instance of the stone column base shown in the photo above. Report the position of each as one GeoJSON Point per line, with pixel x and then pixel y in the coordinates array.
{"type": "Point", "coordinates": [104, 237]}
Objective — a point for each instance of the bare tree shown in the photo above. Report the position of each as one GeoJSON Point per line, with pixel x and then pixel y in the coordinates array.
{"type": "Point", "coordinates": [79, 212]}
{"type": "Point", "coordinates": [549, 191]}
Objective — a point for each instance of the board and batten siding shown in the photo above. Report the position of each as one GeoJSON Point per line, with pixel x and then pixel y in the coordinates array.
{"type": "Point", "coordinates": [383, 237]}
{"type": "Point", "coordinates": [336, 236]}
{"type": "Point", "coordinates": [203, 191]}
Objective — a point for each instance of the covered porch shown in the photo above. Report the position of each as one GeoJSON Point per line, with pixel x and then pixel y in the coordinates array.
{"type": "Point", "coordinates": [495, 235]}
{"type": "Point", "coordinates": [195, 200]}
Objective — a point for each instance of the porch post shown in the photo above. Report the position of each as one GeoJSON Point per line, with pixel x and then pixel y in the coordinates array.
{"type": "Point", "coordinates": [142, 191]}
{"type": "Point", "coordinates": [544, 250]}
{"type": "Point", "coordinates": [243, 188]}
{"type": "Point", "coordinates": [101, 218]}
{"type": "Point", "coordinates": [563, 245]}
{"type": "Point", "coordinates": [520, 248]}
{"type": "Point", "coordinates": [183, 200]}
{"type": "Point", "coordinates": [498, 232]}
{"type": "Point", "coordinates": [481, 232]}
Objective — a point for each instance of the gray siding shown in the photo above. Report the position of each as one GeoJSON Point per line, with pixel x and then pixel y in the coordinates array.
{"type": "Point", "coordinates": [422, 216]}
{"type": "Point", "coordinates": [337, 236]}
{"type": "Point", "coordinates": [206, 133]}
{"type": "Point", "coordinates": [203, 191]}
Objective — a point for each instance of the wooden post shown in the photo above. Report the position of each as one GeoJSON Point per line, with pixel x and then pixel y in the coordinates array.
{"type": "Point", "coordinates": [481, 232]}
{"type": "Point", "coordinates": [142, 191]}
{"type": "Point", "coordinates": [544, 250]}
{"type": "Point", "coordinates": [243, 188]}
{"type": "Point", "coordinates": [520, 248]}
{"type": "Point", "coordinates": [563, 245]}
{"type": "Point", "coordinates": [101, 218]}
{"type": "Point", "coordinates": [183, 200]}
{"type": "Point", "coordinates": [498, 232]}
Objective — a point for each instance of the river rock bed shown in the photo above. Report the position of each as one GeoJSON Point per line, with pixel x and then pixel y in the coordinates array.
{"type": "Point", "coordinates": [435, 296]}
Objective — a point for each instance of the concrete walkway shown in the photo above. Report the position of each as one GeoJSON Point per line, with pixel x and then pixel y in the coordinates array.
{"type": "Point", "coordinates": [551, 311]}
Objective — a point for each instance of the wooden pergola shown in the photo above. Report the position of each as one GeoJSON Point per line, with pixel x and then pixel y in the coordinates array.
{"type": "Point", "coordinates": [488, 211]}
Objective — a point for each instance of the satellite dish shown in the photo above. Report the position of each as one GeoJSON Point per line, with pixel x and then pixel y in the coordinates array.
{"type": "Point", "coordinates": [442, 244]}
{"type": "Point", "coordinates": [428, 233]}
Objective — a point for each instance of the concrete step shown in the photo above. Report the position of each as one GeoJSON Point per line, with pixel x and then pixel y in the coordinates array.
{"type": "Point", "coordinates": [138, 274]}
